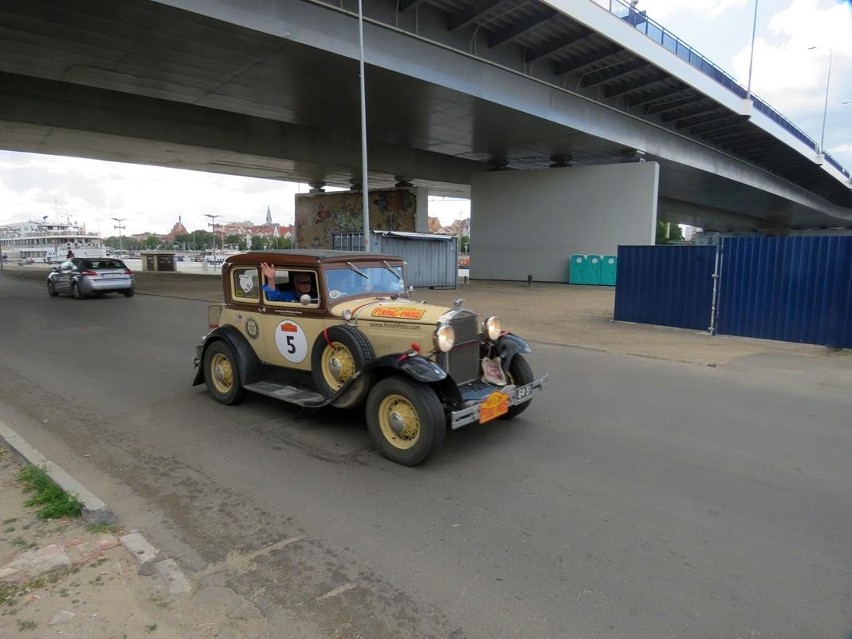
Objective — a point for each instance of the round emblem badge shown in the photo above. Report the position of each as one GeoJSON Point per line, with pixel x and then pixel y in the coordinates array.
{"type": "Point", "coordinates": [252, 328]}
{"type": "Point", "coordinates": [291, 341]}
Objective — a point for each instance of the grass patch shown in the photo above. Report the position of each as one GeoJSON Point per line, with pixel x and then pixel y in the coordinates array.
{"type": "Point", "coordinates": [10, 593]}
{"type": "Point", "coordinates": [53, 502]}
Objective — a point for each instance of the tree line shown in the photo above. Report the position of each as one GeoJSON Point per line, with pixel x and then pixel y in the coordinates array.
{"type": "Point", "coordinates": [196, 241]}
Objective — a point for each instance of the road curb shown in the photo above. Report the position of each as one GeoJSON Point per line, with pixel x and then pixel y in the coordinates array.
{"type": "Point", "coordinates": [95, 511]}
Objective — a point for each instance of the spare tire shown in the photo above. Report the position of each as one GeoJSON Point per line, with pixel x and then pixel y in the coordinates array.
{"type": "Point", "coordinates": [339, 353]}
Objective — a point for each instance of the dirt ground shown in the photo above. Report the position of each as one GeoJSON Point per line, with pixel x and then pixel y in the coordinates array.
{"type": "Point", "coordinates": [64, 578]}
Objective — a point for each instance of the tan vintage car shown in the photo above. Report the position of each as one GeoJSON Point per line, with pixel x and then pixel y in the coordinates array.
{"type": "Point", "coordinates": [353, 336]}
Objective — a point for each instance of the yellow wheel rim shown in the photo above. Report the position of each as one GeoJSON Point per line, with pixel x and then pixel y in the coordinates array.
{"type": "Point", "coordinates": [338, 365]}
{"type": "Point", "coordinates": [399, 422]}
{"type": "Point", "coordinates": [222, 373]}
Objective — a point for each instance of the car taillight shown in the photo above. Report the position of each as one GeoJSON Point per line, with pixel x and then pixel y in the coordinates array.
{"type": "Point", "coordinates": [127, 271]}
{"type": "Point", "coordinates": [89, 273]}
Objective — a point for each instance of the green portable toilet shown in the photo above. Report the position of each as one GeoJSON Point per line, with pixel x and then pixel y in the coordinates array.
{"type": "Point", "coordinates": [608, 264]}
{"type": "Point", "coordinates": [577, 270]}
{"type": "Point", "coordinates": [593, 269]}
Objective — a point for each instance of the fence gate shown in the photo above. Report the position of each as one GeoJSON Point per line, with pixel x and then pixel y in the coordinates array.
{"type": "Point", "coordinates": [793, 289]}
{"type": "Point", "coordinates": [665, 285]}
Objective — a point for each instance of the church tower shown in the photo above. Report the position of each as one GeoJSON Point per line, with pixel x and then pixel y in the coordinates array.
{"type": "Point", "coordinates": [268, 216]}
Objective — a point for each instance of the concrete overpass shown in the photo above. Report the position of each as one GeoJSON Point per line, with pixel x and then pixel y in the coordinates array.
{"type": "Point", "coordinates": [455, 88]}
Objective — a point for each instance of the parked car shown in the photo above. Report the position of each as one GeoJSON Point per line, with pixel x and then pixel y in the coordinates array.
{"type": "Point", "coordinates": [359, 340]}
{"type": "Point", "coordinates": [81, 277]}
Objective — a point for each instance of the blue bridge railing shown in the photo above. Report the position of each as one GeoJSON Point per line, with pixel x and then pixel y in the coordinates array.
{"type": "Point", "coordinates": [628, 12]}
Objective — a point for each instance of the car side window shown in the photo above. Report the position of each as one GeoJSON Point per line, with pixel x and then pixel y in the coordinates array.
{"type": "Point", "coordinates": [245, 283]}
{"type": "Point", "coordinates": [287, 282]}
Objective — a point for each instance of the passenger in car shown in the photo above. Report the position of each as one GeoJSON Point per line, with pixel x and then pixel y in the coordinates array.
{"type": "Point", "coordinates": [302, 284]}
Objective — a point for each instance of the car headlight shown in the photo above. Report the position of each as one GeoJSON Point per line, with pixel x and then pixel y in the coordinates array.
{"type": "Point", "coordinates": [493, 327]}
{"type": "Point", "coordinates": [445, 337]}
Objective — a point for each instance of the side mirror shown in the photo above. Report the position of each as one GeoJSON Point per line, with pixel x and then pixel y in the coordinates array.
{"type": "Point", "coordinates": [305, 299]}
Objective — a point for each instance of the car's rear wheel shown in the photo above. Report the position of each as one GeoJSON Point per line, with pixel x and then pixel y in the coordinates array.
{"type": "Point", "coordinates": [75, 291]}
{"type": "Point", "coordinates": [339, 353]}
{"type": "Point", "coordinates": [51, 289]}
{"type": "Point", "coordinates": [405, 419]}
{"type": "Point", "coordinates": [222, 374]}
{"type": "Point", "coordinates": [519, 374]}
{"type": "Point", "coordinates": [128, 293]}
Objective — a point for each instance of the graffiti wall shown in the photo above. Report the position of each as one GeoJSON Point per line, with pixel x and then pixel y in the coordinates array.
{"type": "Point", "coordinates": [318, 215]}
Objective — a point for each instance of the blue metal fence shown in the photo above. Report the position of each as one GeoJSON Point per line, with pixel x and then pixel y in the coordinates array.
{"type": "Point", "coordinates": [794, 289]}
{"type": "Point", "coordinates": [665, 285]}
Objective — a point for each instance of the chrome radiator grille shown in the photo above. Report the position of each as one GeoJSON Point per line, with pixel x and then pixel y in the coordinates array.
{"type": "Point", "coordinates": [462, 362]}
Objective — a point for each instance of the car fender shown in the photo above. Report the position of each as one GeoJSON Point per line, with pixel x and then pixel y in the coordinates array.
{"type": "Point", "coordinates": [509, 345]}
{"type": "Point", "coordinates": [416, 367]}
{"type": "Point", "coordinates": [247, 361]}
{"type": "Point", "coordinates": [420, 369]}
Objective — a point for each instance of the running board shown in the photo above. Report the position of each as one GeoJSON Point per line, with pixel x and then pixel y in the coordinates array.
{"type": "Point", "coordinates": [298, 396]}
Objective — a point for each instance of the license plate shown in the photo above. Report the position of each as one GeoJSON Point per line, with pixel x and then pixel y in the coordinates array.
{"type": "Point", "coordinates": [495, 404]}
{"type": "Point", "coordinates": [112, 275]}
{"type": "Point", "coordinates": [523, 393]}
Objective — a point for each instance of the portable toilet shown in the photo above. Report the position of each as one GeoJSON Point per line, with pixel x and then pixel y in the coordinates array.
{"type": "Point", "coordinates": [577, 270]}
{"type": "Point", "coordinates": [608, 268]}
{"type": "Point", "coordinates": [593, 269]}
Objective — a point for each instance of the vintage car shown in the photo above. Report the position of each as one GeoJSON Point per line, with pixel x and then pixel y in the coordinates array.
{"type": "Point", "coordinates": [353, 336]}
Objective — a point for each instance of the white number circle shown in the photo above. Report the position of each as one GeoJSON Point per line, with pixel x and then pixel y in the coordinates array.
{"type": "Point", "coordinates": [291, 341]}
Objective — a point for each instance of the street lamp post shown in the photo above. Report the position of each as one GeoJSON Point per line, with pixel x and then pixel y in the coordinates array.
{"type": "Point", "coordinates": [120, 228]}
{"type": "Point", "coordinates": [212, 224]}
{"type": "Point", "coordinates": [751, 55]}
{"type": "Point", "coordinates": [827, 85]}
{"type": "Point", "coordinates": [365, 186]}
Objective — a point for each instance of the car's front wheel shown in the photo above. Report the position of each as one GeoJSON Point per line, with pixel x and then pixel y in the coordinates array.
{"type": "Point", "coordinates": [51, 289]}
{"type": "Point", "coordinates": [222, 374]}
{"type": "Point", "coordinates": [519, 374]}
{"type": "Point", "coordinates": [405, 419]}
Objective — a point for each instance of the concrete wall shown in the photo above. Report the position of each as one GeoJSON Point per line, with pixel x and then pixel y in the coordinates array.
{"type": "Point", "coordinates": [531, 222]}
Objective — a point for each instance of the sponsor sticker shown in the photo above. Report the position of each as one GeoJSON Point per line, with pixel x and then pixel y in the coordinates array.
{"type": "Point", "coordinates": [404, 312]}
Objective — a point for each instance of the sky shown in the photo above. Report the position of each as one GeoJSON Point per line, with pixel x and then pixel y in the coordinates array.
{"type": "Point", "coordinates": [785, 73]}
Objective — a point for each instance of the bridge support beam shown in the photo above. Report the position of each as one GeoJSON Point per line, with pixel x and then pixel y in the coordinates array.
{"type": "Point", "coordinates": [531, 222]}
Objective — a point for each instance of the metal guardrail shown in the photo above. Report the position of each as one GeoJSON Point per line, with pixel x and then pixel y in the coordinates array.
{"type": "Point", "coordinates": [659, 34]}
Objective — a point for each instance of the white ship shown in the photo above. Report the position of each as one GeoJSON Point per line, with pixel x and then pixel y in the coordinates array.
{"type": "Point", "coordinates": [48, 242]}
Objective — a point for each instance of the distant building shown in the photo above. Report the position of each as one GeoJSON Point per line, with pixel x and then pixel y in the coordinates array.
{"type": "Point", "coordinates": [177, 230]}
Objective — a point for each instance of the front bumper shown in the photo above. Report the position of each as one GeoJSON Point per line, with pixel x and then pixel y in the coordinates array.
{"type": "Point", "coordinates": [517, 395]}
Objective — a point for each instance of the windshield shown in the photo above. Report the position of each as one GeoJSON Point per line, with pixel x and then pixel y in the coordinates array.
{"type": "Point", "coordinates": [360, 280]}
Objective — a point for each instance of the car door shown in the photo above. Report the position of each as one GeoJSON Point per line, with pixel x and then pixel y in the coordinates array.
{"type": "Point", "coordinates": [291, 328]}
{"type": "Point", "coordinates": [64, 276]}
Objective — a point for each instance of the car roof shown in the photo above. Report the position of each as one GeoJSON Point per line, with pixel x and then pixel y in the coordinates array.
{"type": "Point", "coordinates": [308, 257]}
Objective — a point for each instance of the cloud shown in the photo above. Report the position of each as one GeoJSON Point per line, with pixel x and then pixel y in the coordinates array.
{"type": "Point", "coordinates": [147, 198]}
{"type": "Point", "coordinates": [662, 9]}
{"type": "Point", "coordinates": [792, 77]}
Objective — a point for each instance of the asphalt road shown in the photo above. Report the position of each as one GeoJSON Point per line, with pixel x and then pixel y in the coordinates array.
{"type": "Point", "coordinates": [635, 498]}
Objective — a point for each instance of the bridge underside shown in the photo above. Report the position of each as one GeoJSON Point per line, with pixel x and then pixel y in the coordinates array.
{"type": "Point", "coordinates": [143, 82]}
